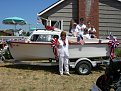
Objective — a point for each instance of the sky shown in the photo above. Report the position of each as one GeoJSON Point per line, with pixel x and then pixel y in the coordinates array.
{"type": "Point", "coordinates": [26, 9]}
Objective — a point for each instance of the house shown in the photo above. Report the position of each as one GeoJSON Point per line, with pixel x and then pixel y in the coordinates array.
{"type": "Point", "coordinates": [105, 15]}
{"type": "Point", "coordinates": [5, 33]}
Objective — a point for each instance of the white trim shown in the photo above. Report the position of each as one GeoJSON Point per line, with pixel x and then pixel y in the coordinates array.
{"type": "Point", "coordinates": [39, 14]}
{"type": "Point", "coordinates": [61, 24]}
{"type": "Point", "coordinates": [50, 22]}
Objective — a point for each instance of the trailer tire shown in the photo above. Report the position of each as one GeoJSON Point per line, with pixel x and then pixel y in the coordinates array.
{"type": "Point", "coordinates": [83, 68]}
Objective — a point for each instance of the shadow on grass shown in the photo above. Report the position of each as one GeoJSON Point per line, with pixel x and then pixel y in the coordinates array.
{"type": "Point", "coordinates": [52, 69]}
{"type": "Point", "coordinates": [99, 68]}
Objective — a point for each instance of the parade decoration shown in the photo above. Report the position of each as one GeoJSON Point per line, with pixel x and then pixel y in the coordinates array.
{"type": "Point", "coordinates": [113, 43]}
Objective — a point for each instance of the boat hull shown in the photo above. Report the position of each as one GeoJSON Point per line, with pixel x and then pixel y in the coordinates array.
{"type": "Point", "coordinates": [89, 50]}
{"type": "Point", "coordinates": [37, 51]}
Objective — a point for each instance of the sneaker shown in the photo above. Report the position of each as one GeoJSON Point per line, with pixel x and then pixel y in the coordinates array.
{"type": "Point", "coordinates": [61, 74]}
{"type": "Point", "coordinates": [68, 74]}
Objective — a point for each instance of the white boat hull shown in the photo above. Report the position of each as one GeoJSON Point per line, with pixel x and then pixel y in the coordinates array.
{"type": "Point", "coordinates": [30, 51]}
{"type": "Point", "coordinates": [89, 50]}
{"type": "Point", "coordinates": [37, 51]}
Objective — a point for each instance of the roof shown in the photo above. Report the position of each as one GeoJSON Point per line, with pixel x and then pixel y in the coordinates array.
{"type": "Point", "coordinates": [50, 7]}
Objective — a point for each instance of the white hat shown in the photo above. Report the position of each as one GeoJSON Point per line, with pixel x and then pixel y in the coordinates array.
{"type": "Point", "coordinates": [75, 23]}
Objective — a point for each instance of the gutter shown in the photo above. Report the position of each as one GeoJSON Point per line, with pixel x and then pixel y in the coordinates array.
{"type": "Point", "coordinates": [47, 9]}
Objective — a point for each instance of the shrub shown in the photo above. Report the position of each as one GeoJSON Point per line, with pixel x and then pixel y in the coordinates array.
{"type": "Point", "coordinates": [118, 52]}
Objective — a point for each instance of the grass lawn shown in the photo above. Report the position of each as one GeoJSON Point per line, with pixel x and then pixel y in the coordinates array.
{"type": "Point", "coordinates": [38, 78]}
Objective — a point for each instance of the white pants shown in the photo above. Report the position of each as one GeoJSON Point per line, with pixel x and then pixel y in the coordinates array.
{"type": "Point", "coordinates": [63, 60]}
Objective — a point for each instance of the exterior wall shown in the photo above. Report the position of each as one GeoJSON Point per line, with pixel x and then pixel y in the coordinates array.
{"type": "Point", "coordinates": [110, 18]}
{"type": "Point", "coordinates": [81, 9]}
{"type": "Point", "coordinates": [105, 15]}
{"type": "Point", "coordinates": [75, 9]}
{"type": "Point", "coordinates": [2, 33]}
{"type": "Point", "coordinates": [65, 11]}
{"type": "Point", "coordinates": [88, 9]}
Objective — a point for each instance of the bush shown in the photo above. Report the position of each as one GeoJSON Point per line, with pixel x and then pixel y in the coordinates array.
{"type": "Point", "coordinates": [118, 52]}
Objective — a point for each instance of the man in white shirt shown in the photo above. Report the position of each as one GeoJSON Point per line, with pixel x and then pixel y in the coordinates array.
{"type": "Point", "coordinates": [80, 27]}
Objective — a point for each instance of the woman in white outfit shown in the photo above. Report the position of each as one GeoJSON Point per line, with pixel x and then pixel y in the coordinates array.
{"type": "Point", "coordinates": [63, 45]}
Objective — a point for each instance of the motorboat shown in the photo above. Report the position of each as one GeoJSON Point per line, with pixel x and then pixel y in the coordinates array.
{"type": "Point", "coordinates": [38, 46]}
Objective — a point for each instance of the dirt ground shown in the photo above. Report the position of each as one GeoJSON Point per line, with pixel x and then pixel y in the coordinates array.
{"type": "Point", "coordinates": [38, 78]}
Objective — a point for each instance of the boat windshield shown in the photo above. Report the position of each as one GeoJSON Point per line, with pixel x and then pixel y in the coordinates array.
{"type": "Point", "coordinates": [42, 37]}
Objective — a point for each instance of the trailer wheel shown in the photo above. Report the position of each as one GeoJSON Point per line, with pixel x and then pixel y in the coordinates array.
{"type": "Point", "coordinates": [83, 68]}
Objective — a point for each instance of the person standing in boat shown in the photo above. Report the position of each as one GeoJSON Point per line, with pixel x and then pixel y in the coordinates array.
{"type": "Point", "coordinates": [63, 44]}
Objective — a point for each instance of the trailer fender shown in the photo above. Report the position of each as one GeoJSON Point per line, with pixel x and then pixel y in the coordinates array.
{"type": "Point", "coordinates": [93, 63]}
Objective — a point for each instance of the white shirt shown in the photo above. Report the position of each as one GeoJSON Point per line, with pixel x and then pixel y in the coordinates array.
{"type": "Point", "coordinates": [92, 30]}
{"type": "Point", "coordinates": [80, 29]}
{"type": "Point", "coordinates": [63, 49]}
{"type": "Point", "coordinates": [86, 36]}
{"type": "Point", "coordinates": [73, 30]}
